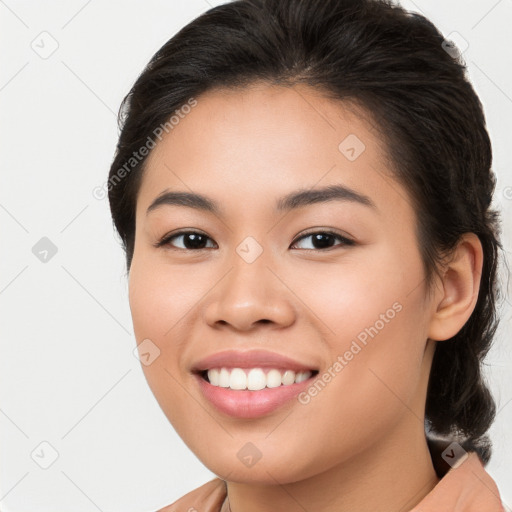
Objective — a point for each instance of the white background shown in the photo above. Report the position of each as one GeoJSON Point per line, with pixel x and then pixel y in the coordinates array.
{"type": "Point", "coordinates": [68, 374]}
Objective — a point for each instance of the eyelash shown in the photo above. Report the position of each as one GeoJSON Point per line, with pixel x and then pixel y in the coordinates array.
{"type": "Point", "coordinates": [165, 241]}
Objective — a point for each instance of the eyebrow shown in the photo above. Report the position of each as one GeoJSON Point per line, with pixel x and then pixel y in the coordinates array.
{"type": "Point", "coordinates": [293, 200]}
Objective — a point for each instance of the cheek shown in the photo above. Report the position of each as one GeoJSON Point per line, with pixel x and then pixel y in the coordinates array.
{"type": "Point", "coordinates": [363, 288]}
{"type": "Point", "coordinates": [160, 299]}
{"type": "Point", "coordinates": [156, 306]}
{"type": "Point", "coordinates": [374, 319]}
{"type": "Point", "coordinates": [377, 321]}
{"type": "Point", "coordinates": [163, 301]}
{"type": "Point", "coordinates": [369, 388]}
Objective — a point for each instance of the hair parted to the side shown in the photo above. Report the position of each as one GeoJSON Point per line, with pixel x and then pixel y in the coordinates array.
{"type": "Point", "coordinates": [375, 55]}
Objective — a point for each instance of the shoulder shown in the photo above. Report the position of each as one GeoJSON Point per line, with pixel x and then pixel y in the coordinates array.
{"type": "Point", "coordinates": [209, 497]}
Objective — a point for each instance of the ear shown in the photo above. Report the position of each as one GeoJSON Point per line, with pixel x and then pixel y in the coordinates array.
{"type": "Point", "coordinates": [460, 286]}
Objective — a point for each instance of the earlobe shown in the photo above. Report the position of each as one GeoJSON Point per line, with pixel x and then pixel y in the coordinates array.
{"type": "Point", "coordinates": [460, 286]}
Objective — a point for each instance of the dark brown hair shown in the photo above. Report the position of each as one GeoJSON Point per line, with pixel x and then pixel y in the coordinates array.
{"type": "Point", "coordinates": [396, 65]}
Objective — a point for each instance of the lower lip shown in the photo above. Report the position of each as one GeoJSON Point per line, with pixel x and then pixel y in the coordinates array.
{"type": "Point", "coordinates": [250, 404]}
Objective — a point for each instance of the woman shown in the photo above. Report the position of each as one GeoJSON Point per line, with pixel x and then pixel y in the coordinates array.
{"type": "Point", "coordinates": [303, 193]}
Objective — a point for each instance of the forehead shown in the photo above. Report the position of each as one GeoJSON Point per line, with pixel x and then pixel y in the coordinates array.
{"type": "Point", "coordinates": [263, 139]}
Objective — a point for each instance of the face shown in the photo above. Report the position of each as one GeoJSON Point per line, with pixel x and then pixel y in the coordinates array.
{"type": "Point", "coordinates": [323, 291]}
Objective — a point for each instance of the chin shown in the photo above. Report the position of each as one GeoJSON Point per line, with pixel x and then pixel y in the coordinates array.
{"type": "Point", "coordinates": [247, 466]}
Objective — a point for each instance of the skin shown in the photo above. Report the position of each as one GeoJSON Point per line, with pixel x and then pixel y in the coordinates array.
{"type": "Point", "coordinates": [465, 488]}
{"type": "Point", "coordinates": [359, 444]}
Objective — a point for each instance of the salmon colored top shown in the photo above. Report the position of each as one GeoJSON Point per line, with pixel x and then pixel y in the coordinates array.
{"type": "Point", "coordinates": [210, 497]}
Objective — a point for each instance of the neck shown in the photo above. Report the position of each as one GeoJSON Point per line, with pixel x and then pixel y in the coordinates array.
{"type": "Point", "coordinates": [392, 474]}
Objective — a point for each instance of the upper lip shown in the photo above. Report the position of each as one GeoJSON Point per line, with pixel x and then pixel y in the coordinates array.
{"type": "Point", "coordinates": [249, 359]}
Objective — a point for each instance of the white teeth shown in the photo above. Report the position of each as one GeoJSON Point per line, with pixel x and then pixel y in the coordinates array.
{"type": "Point", "coordinates": [273, 379]}
{"type": "Point", "coordinates": [223, 378]}
{"type": "Point", "coordinates": [301, 376]}
{"type": "Point", "coordinates": [288, 378]}
{"type": "Point", "coordinates": [213, 377]}
{"type": "Point", "coordinates": [255, 378]}
{"type": "Point", "coordinates": [237, 379]}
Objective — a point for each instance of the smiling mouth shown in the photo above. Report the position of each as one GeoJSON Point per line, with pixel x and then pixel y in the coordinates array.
{"type": "Point", "coordinates": [254, 379]}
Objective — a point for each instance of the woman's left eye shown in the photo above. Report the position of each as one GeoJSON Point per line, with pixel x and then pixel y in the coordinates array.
{"type": "Point", "coordinates": [323, 239]}
{"type": "Point", "coordinates": [193, 240]}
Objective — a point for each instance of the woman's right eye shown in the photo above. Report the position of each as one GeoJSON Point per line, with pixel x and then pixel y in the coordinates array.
{"type": "Point", "coordinates": [192, 240]}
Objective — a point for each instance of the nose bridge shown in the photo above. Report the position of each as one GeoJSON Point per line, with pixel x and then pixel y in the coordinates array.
{"type": "Point", "coordinates": [249, 281]}
{"type": "Point", "coordinates": [249, 292]}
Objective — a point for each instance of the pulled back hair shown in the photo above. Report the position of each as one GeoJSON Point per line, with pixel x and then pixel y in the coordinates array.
{"type": "Point", "coordinates": [393, 64]}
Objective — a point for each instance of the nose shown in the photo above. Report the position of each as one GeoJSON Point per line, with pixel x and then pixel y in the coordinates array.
{"type": "Point", "coordinates": [248, 295]}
